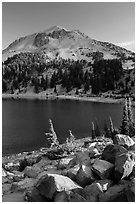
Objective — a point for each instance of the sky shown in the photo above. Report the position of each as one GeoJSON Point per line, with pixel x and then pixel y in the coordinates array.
{"type": "Point", "coordinates": [112, 22]}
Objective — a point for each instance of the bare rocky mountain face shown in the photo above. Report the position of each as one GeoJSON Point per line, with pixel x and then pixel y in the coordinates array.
{"type": "Point", "coordinates": [60, 42]}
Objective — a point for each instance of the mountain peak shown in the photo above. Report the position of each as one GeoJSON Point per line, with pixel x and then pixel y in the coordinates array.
{"type": "Point", "coordinates": [55, 28]}
{"type": "Point", "coordinates": [65, 43]}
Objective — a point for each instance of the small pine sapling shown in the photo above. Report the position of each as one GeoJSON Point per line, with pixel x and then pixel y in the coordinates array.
{"type": "Point", "coordinates": [111, 127]}
{"type": "Point", "coordinates": [93, 134]}
{"type": "Point", "coordinates": [71, 141]}
{"type": "Point", "coordinates": [106, 130]}
{"type": "Point", "coordinates": [131, 119]}
{"type": "Point", "coordinates": [97, 130]}
{"type": "Point", "coordinates": [125, 121]}
{"type": "Point", "coordinates": [51, 136]}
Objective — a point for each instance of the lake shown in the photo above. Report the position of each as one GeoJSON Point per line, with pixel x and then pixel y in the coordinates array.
{"type": "Point", "coordinates": [25, 121]}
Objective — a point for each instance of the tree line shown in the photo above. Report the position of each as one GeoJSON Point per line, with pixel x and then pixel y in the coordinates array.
{"type": "Point", "coordinates": [31, 69]}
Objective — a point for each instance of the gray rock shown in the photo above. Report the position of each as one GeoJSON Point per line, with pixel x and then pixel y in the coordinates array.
{"type": "Point", "coordinates": [23, 185]}
{"type": "Point", "coordinates": [12, 166]}
{"type": "Point", "coordinates": [44, 163]}
{"type": "Point", "coordinates": [61, 197]}
{"type": "Point", "coordinates": [80, 158]}
{"type": "Point", "coordinates": [116, 193]}
{"type": "Point", "coordinates": [124, 140]}
{"type": "Point", "coordinates": [62, 164]}
{"type": "Point", "coordinates": [99, 146]}
{"type": "Point", "coordinates": [69, 196]}
{"type": "Point", "coordinates": [50, 184]}
{"type": "Point", "coordinates": [71, 173]}
{"type": "Point", "coordinates": [103, 169]}
{"type": "Point", "coordinates": [5, 180]}
{"type": "Point", "coordinates": [94, 153]}
{"type": "Point", "coordinates": [6, 187]}
{"type": "Point", "coordinates": [124, 165]}
{"type": "Point", "coordinates": [4, 173]}
{"type": "Point", "coordinates": [57, 153]}
{"type": "Point", "coordinates": [34, 196]}
{"type": "Point", "coordinates": [32, 171]}
{"type": "Point", "coordinates": [111, 152]}
{"type": "Point", "coordinates": [13, 197]}
{"type": "Point", "coordinates": [29, 161]}
{"type": "Point", "coordinates": [18, 176]}
{"type": "Point", "coordinates": [84, 176]}
{"type": "Point", "coordinates": [92, 192]}
{"type": "Point", "coordinates": [105, 184]}
{"type": "Point", "coordinates": [130, 191]}
{"type": "Point", "coordinates": [75, 197]}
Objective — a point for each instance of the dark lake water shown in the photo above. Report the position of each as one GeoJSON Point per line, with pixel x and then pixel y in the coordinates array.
{"type": "Point", "coordinates": [25, 121]}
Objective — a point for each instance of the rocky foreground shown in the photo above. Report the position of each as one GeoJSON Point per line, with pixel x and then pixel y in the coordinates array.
{"type": "Point", "coordinates": [94, 171]}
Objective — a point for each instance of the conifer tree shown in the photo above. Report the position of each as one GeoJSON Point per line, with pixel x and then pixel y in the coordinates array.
{"type": "Point", "coordinates": [125, 120]}
{"type": "Point", "coordinates": [111, 124]}
{"type": "Point", "coordinates": [93, 134]}
{"type": "Point", "coordinates": [97, 130]}
{"type": "Point", "coordinates": [51, 136]}
{"type": "Point", "coordinates": [71, 139]}
{"type": "Point", "coordinates": [55, 89]}
{"type": "Point", "coordinates": [71, 142]}
{"type": "Point", "coordinates": [111, 127]}
{"type": "Point", "coordinates": [131, 119]}
{"type": "Point", "coordinates": [105, 126]}
{"type": "Point", "coordinates": [130, 114]}
{"type": "Point", "coordinates": [107, 130]}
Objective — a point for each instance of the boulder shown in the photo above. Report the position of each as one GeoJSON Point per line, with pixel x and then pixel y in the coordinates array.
{"type": "Point", "coordinates": [103, 169]}
{"type": "Point", "coordinates": [132, 175]}
{"type": "Point", "coordinates": [61, 197]}
{"type": "Point", "coordinates": [32, 171]}
{"type": "Point", "coordinates": [91, 146]}
{"type": "Point", "coordinates": [80, 158]}
{"type": "Point", "coordinates": [34, 196]}
{"type": "Point", "coordinates": [75, 197]}
{"type": "Point", "coordinates": [13, 197]}
{"type": "Point", "coordinates": [71, 173]}
{"type": "Point", "coordinates": [29, 161]}
{"type": "Point", "coordinates": [44, 162]}
{"type": "Point", "coordinates": [84, 176]}
{"type": "Point", "coordinates": [111, 151]}
{"type": "Point", "coordinates": [92, 192]}
{"type": "Point", "coordinates": [116, 193]}
{"type": "Point", "coordinates": [55, 154]}
{"type": "Point", "coordinates": [131, 148]}
{"type": "Point", "coordinates": [18, 176]}
{"type": "Point", "coordinates": [69, 196]}
{"type": "Point", "coordinates": [99, 146]}
{"type": "Point", "coordinates": [62, 164]}
{"type": "Point", "coordinates": [130, 191]}
{"type": "Point", "coordinates": [104, 184]}
{"type": "Point", "coordinates": [5, 188]}
{"type": "Point", "coordinates": [48, 185]}
{"type": "Point", "coordinates": [123, 140]}
{"type": "Point", "coordinates": [94, 153]}
{"type": "Point", "coordinates": [124, 164]}
{"type": "Point", "coordinates": [5, 180]}
{"type": "Point", "coordinates": [11, 166]}
{"type": "Point", "coordinates": [53, 170]}
{"type": "Point", "coordinates": [23, 185]}
{"type": "Point", "coordinates": [4, 173]}
{"type": "Point", "coordinates": [10, 175]}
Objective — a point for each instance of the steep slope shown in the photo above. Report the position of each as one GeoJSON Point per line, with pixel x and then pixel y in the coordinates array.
{"type": "Point", "coordinates": [60, 42]}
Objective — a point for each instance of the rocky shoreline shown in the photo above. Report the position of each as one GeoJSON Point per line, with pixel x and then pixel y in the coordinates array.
{"type": "Point", "coordinates": [99, 170]}
{"type": "Point", "coordinates": [41, 96]}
